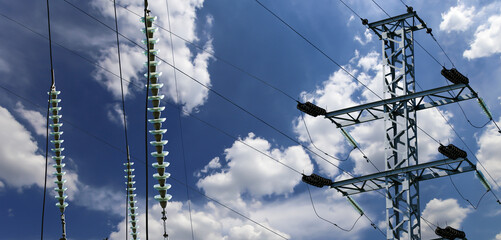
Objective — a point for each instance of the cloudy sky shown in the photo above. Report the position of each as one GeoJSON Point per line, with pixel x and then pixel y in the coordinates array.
{"type": "Point", "coordinates": [237, 142]}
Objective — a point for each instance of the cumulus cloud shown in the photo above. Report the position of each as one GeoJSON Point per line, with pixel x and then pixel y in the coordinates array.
{"type": "Point", "coordinates": [498, 236]}
{"type": "Point", "coordinates": [251, 172]}
{"type": "Point", "coordinates": [367, 37]}
{"type": "Point", "coordinates": [34, 118]}
{"type": "Point", "coordinates": [183, 15]}
{"type": "Point", "coordinates": [208, 223]}
{"type": "Point", "coordinates": [115, 114]}
{"type": "Point", "coordinates": [443, 213]}
{"type": "Point", "coordinates": [213, 164]}
{"type": "Point", "coordinates": [22, 166]}
{"type": "Point", "coordinates": [20, 163]}
{"type": "Point", "coordinates": [489, 151]}
{"type": "Point", "coordinates": [286, 217]}
{"type": "Point", "coordinates": [486, 42]}
{"type": "Point", "coordinates": [458, 18]}
{"type": "Point", "coordinates": [132, 64]}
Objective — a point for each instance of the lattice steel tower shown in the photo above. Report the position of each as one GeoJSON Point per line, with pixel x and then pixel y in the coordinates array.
{"type": "Point", "coordinates": [397, 35]}
{"type": "Point", "coordinates": [402, 174]}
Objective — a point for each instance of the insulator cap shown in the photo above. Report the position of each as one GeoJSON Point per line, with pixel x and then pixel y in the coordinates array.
{"type": "Point", "coordinates": [158, 187]}
{"type": "Point", "coordinates": [158, 176]}
{"type": "Point", "coordinates": [156, 109]}
{"type": "Point", "coordinates": [162, 154]}
{"type": "Point", "coordinates": [159, 131]}
{"type": "Point", "coordinates": [311, 109]}
{"type": "Point", "coordinates": [156, 85]}
{"type": "Point", "coordinates": [164, 165]}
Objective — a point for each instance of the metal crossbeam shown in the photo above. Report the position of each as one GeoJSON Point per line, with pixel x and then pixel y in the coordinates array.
{"type": "Point", "coordinates": [420, 172]}
{"type": "Point", "coordinates": [375, 110]}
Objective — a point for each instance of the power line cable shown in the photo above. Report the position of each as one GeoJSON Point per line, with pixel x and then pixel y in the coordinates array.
{"type": "Point", "coordinates": [312, 143]}
{"type": "Point", "coordinates": [128, 163]}
{"type": "Point", "coordinates": [180, 120]}
{"type": "Point", "coordinates": [47, 122]}
{"type": "Point", "coordinates": [314, 46]}
{"type": "Point", "coordinates": [328, 221]}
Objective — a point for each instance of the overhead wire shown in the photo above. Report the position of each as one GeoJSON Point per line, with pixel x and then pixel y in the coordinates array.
{"type": "Point", "coordinates": [128, 162]}
{"type": "Point", "coordinates": [328, 221]}
{"type": "Point", "coordinates": [47, 123]}
{"type": "Point", "coordinates": [178, 100]}
{"type": "Point", "coordinates": [315, 146]}
{"type": "Point", "coordinates": [315, 47]}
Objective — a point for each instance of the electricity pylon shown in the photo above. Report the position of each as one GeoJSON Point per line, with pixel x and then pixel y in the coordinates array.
{"type": "Point", "coordinates": [402, 174]}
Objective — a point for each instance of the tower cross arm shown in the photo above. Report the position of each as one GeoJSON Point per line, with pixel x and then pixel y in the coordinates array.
{"type": "Point", "coordinates": [420, 172]}
{"type": "Point", "coordinates": [375, 110]}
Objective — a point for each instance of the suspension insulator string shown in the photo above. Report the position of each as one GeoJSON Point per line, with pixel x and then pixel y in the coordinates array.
{"type": "Point", "coordinates": [58, 158]}
{"type": "Point", "coordinates": [156, 110]}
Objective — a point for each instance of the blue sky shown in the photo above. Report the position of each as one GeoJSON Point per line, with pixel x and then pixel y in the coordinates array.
{"type": "Point", "coordinates": [216, 134]}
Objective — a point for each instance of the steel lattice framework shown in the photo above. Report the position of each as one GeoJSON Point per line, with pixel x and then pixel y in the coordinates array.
{"type": "Point", "coordinates": [401, 129]}
{"type": "Point", "coordinates": [402, 174]}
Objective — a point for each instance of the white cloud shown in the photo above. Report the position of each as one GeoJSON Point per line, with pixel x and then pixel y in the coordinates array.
{"type": "Point", "coordinates": [287, 217]}
{"type": "Point", "coordinates": [442, 213]}
{"type": "Point", "coordinates": [213, 164]}
{"type": "Point", "coordinates": [489, 152]}
{"type": "Point", "coordinates": [115, 114]}
{"type": "Point", "coordinates": [486, 42]}
{"type": "Point", "coordinates": [20, 164]}
{"type": "Point", "coordinates": [132, 64]}
{"type": "Point", "coordinates": [367, 37]}
{"type": "Point", "coordinates": [34, 118]}
{"type": "Point", "coordinates": [183, 15]}
{"type": "Point", "coordinates": [209, 223]}
{"type": "Point", "coordinates": [251, 172]}
{"type": "Point", "coordinates": [498, 236]}
{"type": "Point", "coordinates": [458, 18]}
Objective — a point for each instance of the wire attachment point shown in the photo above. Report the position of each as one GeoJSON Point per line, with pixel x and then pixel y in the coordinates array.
{"type": "Point", "coordinates": [316, 180]}
{"type": "Point", "coordinates": [311, 109]}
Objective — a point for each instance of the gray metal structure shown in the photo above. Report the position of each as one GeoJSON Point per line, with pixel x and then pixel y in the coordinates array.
{"type": "Point", "coordinates": [398, 109]}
